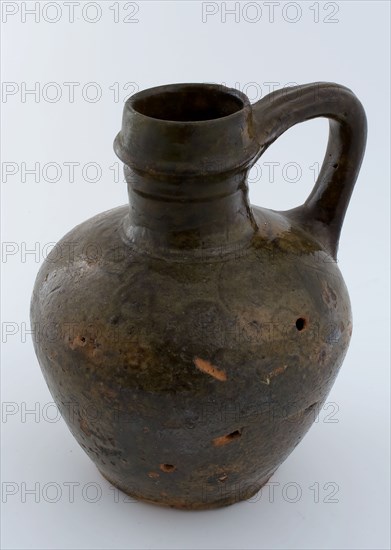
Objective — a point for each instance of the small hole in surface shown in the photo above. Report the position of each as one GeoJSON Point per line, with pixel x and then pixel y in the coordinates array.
{"type": "Point", "coordinates": [234, 434]}
{"type": "Point", "coordinates": [300, 323]}
{"type": "Point", "coordinates": [224, 439]}
{"type": "Point", "coordinates": [167, 467]}
{"type": "Point", "coordinates": [335, 165]}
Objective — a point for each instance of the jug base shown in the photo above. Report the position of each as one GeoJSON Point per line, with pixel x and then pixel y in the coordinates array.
{"type": "Point", "coordinates": [181, 504]}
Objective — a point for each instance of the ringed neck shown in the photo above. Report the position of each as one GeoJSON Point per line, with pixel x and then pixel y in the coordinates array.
{"type": "Point", "coordinates": [187, 149]}
{"type": "Point", "coordinates": [192, 215]}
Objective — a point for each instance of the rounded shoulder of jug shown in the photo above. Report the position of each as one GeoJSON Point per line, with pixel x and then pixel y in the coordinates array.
{"type": "Point", "coordinates": [281, 239]}
{"type": "Point", "coordinates": [92, 245]}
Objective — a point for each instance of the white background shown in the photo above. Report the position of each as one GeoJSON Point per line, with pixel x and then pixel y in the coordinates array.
{"type": "Point", "coordinates": [348, 446]}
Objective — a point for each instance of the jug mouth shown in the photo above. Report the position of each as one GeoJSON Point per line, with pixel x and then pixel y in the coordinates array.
{"type": "Point", "coordinates": [188, 102]}
{"type": "Point", "coordinates": [193, 129]}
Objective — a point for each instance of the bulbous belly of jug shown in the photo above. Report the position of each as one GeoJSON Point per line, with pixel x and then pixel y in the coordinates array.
{"type": "Point", "coordinates": [189, 382]}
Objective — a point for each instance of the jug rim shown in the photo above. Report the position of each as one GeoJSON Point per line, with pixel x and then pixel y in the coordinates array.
{"type": "Point", "coordinates": [204, 145]}
{"type": "Point", "coordinates": [227, 103]}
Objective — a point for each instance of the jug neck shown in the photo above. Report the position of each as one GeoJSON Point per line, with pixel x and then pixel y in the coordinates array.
{"type": "Point", "coordinates": [189, 215]}
{"type": "Point", "coordinates": [187, 149]}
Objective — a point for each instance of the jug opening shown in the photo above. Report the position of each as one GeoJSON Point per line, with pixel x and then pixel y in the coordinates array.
{"type": "Point", "coordinates": [190, 129]}
{"type": "Point", "coordinates": [188, 103]}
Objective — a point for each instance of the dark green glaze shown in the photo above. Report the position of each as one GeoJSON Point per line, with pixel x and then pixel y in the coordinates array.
{"type": "Point", "coordinates": [190, 338]}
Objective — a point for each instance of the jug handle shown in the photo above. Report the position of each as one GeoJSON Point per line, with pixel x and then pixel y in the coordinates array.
{"type": "Point", "coordinates": [324, 210]}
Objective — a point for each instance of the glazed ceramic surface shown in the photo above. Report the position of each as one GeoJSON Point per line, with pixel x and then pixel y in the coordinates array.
{"type": "Point", "coordinates": [189, 338]}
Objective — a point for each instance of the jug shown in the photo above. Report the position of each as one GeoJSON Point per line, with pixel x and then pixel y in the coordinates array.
{"type": "Point", "coordinates": [190, 338]}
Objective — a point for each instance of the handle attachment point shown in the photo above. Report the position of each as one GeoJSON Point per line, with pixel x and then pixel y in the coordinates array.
{"type": "Point", "coordinates": [324, 210]}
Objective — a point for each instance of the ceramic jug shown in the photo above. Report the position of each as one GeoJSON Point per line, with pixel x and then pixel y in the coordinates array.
{"type": "Point", "coordinates": [190, 338]}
